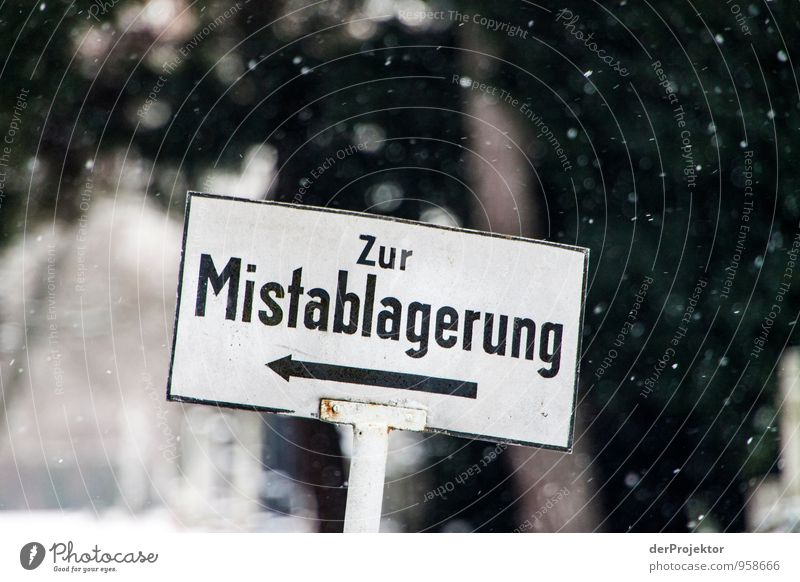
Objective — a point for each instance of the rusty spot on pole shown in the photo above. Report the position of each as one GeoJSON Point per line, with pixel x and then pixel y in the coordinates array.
{"type": "Point", "coordinates": [328, 410]}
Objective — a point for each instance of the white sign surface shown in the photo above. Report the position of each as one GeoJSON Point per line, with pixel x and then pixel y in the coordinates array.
{"type": "Point", "coordinates": [280, 306]}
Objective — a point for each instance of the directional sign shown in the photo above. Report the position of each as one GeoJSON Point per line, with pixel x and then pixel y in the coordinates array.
{"type": "Point", "coordinates": [280, 306]}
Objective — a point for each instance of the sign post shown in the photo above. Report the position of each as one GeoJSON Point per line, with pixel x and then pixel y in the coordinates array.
{"type": "Point", "coordinates": [371, 425]}
{"type": "Point", "coordinates": [380, 324]}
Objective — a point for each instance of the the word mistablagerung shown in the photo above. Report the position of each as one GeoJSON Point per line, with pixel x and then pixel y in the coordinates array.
{"type": "Point", "coordinates": [386, 319]}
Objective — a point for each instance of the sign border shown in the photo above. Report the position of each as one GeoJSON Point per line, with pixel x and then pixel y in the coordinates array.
{"type": "Point", "coordinates": [222, 404]}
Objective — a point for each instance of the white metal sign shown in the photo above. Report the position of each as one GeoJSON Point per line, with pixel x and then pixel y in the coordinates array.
{"type": "Point", "coordinates": [281, 306]}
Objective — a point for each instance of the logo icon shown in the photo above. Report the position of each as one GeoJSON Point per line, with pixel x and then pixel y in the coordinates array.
{"type": "Point", "coordinates": [31, 555]}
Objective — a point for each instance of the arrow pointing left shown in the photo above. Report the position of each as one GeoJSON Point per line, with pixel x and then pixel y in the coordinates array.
{"type": "Point", "coordinates": [287, 367]}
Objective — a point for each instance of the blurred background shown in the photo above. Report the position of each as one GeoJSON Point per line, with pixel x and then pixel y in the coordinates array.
{"type": "Point", "coordinates": [662, 138]}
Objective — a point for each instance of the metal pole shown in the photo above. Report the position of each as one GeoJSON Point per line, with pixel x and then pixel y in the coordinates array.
{"type": "Point", "coordinates": [367, 473]}
{"type": "Point", "coordinates": [371, 426]}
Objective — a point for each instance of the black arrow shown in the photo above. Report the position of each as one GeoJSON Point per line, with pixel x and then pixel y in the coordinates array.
{"type": "Point", "coordinates": [287, 367]}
